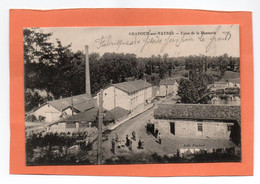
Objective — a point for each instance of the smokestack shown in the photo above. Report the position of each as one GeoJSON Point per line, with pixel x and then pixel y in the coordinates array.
{"type": "Point", "coordinates": [88, 89]}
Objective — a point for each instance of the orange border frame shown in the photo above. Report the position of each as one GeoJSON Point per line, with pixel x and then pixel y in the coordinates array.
{"type": "Point", "coordinates": [128, 17]}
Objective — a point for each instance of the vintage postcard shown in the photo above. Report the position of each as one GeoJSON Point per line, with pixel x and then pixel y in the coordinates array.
{"type": "Point", "coordinates": [106, 93]}
{"type": "Point", "coordinates": [132, 95]}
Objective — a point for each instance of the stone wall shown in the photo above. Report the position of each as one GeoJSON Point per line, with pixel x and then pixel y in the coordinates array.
{"type": "Point", "coordinates": [188, 128]}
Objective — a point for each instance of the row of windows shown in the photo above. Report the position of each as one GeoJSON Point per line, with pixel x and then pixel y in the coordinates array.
{"type": "Point", "coordinates": [135, 98]}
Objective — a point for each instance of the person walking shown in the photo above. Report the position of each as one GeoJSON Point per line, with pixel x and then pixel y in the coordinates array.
{"type": "Point", "coordinates": [133, 135]}
{"type": "Point", "coordinates": [140, 144]}
{"type": "Point", "coordinates": [127, 140]}
{"type": "Point", "coordinates": [113, 146]}
{"type": "Point", "coordinates": [156, 133]}
{"type": "Point", "coordinates": [159, 138]}
{"type": "Point", "coordinates": [116, 137]}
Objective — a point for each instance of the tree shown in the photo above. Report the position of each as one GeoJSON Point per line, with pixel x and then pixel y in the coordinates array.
{"type": "Point", "coordinates": [223, 62]}
{"type": "Point", "coordinates": [187, 91]}
{"type": "Point", "coordinates": [37, 47]}
{"type": "Point", "coordinates": [194, 90]}
{"type": "Point", "coordinates": [55, 69]}
{"type": "Point", "coordinates": [162, 70]}
{"type": "Point", "coordinates": [32, 99]}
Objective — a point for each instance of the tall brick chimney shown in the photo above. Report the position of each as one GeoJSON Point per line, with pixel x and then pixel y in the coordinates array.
{"type": "Point", "coordinates": [88, 89]}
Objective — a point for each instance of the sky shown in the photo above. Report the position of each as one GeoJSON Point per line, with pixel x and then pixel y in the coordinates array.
{"type": "Point", "coordinates": [145, 41]}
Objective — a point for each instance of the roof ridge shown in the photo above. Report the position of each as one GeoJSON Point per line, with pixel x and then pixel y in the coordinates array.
{"type": "Point", "coordinates": [60, 99]}
{"type": "Point", "coordinates": [132, 86]}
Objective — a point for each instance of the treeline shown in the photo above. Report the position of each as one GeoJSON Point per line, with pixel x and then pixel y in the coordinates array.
{"type": "Point", "coordinates": [53, 70]}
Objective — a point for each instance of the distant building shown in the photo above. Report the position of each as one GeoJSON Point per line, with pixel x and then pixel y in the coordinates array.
{"type": "Point", "coordinates": [132, 95]}
{"type": "Point", "coordinates": [231, 83]}
{"type": "Point", "coordinates": [169, 86]}
{"type": "Point", "coordinates": [52, 111]}
{"type": "Point", "coordinates": [220, 85]}
{"type": "Point", "coordinates": [198, 121]}
{"type": "Point", "coordinates": [230, 100]}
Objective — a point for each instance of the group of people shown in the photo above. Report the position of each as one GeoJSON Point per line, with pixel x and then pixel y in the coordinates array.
{"type": "Point", "coordinates": [128, 142]}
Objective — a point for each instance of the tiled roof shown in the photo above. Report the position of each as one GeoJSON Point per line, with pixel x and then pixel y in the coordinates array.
{"type": "Point", "coordinates": [119, 112]}
{"type": "Point", "coordinates": [88, 116]}
{"type": "Point", "coordinates": [85, 105]}
{"type": "Point", "coordinates": [198, 111]}
{"type": "Point", "coordinates": [79, 101]}
{"type": "Point", "coordinates": [132, 86]}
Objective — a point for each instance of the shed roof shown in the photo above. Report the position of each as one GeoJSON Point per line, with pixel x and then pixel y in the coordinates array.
{"type": "Point", "coordinates": [85, 105]}
{"type": "Point", "coordinates": [198, 112]}
{"type": "Point", "coordinates": [132, 86]}
{"type": "Point", "coordinates": [118, 112]}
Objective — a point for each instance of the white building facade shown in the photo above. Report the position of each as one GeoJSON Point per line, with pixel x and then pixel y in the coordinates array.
{"type": "Point", "coordinates": [168, 86]}
{"type": "Point", "coordinates": [49, 113]}
{"type": "Point", "coordinates": [132, 96]}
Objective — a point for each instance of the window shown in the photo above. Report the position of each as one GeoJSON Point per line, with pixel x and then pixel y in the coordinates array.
{"type": "Point", "coordinates": [200, 127]}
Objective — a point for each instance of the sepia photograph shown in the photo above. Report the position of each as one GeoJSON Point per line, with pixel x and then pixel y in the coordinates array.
{"type": "Point", "coordinates": [132, 95]}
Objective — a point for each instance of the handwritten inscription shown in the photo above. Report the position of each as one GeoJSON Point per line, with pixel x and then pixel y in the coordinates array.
{"type": "Point", "coordinates": [106, 41]}
{"type": "Point", "coordinates": [164, 39]}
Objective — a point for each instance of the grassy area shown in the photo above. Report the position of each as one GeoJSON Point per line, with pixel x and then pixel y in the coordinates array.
{"type": "Point", "coordinates": [231, 75]}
